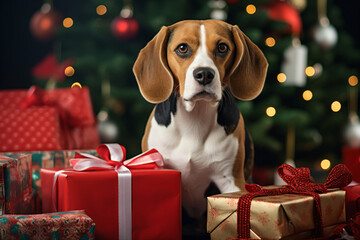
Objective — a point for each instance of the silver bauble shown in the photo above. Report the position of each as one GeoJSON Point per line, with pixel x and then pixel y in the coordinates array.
{"type": "Point", "coordinates": [108, 130]}
{"type": "Point", "coordinates": [325, 35]}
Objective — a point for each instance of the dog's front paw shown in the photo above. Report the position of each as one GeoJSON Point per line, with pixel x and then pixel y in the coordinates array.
{"type": "Point", "coordinates": [225, 184]}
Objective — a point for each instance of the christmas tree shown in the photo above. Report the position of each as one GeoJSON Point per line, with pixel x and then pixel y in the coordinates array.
{"type": "Point", "coordinates": [289, 120]}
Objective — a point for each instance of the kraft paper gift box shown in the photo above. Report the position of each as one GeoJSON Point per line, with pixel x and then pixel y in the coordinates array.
{"type": "Point", "coordinates": [15, 184]}
{"type": "Point", "coordinates": [61, 225]}
{"type": "Point", "coordinates": [153, 211]}
{"type": "Point", "coordinates": [276, 216]}
{"type": "Point", "coordinates": [38, 120]}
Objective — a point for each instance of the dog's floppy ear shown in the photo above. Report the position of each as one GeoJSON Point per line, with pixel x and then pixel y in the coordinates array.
{"type": "Point", "coordinates": [248, 72]}
{"type": "Point", "coordinates": [152, 71]}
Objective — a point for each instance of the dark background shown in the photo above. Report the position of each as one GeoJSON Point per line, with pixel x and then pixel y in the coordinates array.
{"type": "Point", "coordinates": [19, 51]}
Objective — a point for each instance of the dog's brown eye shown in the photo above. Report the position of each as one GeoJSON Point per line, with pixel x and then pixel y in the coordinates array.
{"type": "Point", "coordinates": [223, 48]}
{"type": "Point", "coordinates": [182, 48]}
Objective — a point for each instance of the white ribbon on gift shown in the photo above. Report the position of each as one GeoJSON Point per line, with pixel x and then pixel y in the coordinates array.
{"type": "Point", "coordinates": [84, 162]}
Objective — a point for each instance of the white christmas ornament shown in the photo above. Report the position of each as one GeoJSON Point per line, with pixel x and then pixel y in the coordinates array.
{"type": "Point", "coordinates": [218, 14]}
{"type": "Point", "coordinates": [218, 9]}
{"type": "Point", "coordinates": [294, 64]}
{"type": "Point", "coordinates": [325, 35]}
{"type": "Point", "coordinates": [108, 130]}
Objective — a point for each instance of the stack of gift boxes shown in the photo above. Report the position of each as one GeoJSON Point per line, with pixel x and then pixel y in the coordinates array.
{"type": "Point", "coordinates": [42, 197]}
{"type": "Point", "coordinates": [57, 181]}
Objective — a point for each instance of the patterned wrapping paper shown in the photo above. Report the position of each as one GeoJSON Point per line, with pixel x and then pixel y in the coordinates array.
{"type": "Point", "coordinates": [15, 184]}
{"type": "Point", "coordinates": [61, 225]}
{"type": "Point", "coordinates": [288, 216]}
{"type": "Point", "coordinates": [30, 129]}
{"type": "Point", "coordinates": [49, 159]}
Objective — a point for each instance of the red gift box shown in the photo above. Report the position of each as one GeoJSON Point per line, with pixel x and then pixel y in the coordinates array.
{"type": "Point", "coordinates": [40, 120]}
{"type": "Point", "coordinates": [351, 158]}
{"type": "Point", "coordinates": [155, 205]}
{"type": "Point", "coordinates": [352, 200]}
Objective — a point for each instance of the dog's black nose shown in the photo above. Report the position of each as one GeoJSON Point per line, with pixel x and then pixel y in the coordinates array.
{"type": "Point", "coordinates": [204, 75]}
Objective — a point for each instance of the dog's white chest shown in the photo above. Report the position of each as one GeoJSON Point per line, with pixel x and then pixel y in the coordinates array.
{"type": "Point", "coordinates": [193, 142]}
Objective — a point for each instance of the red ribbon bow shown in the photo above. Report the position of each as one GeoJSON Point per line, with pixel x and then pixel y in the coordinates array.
{"type": "Point", "coordinates": [71, 104]}
{"type": "Point", "coordinates": [299, 182]}
{"type": "Point", "coordinates": [113, 157]}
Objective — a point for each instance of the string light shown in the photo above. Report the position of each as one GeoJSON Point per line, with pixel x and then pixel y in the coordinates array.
{"type": "Point", "coordinates": [68, 22]}
{"type": "Point", "coordinates": [325, 164]}
{"type": "Point", "coordinates": [353, 80]}
{"type": "Point", "coordinates": [250, 9]}
{"type": "Point", "coordinates": [309, 71]}
{"type": "Point", "coordinates": [270, 111]}
{"type": "Point", "coordinates": [270, 42]}
{"type": "Point", "coordinates": [101, 10]}
{"type": "Point", "coordinates": [281, 77]}
{"type": "Point", "coordinates": [76, 84]}
{"type": "Point", "coordinates": [307, 95]}
{"type": "Point", "coordinates": [69, 71]}
{"type": "Point", "coordinates": [336, 106]}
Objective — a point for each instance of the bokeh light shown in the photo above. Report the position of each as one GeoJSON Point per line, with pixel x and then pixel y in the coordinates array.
{"type": "Point", "coordinates": [250, 9]}
{"type": "Point", "coordinates": [353, 80]}
{"type": "Point", "coordinates": [309, 71]}
{"type": "Point", "coordinates": [336, 106]}
{"type": "Point", "coordinates": [307, 95]}
{"type": "Point", "coordinates": [68, 22]}
{"type": "Point", "coordinates": [270, 42]}
{"type": "Point", "coordinates": [270, 111]}
{"type": "Point", "coordinates": [101, 10]}
{"type": "Point", "coordinates": [325, 164]}
{"type": "Point", "coordinates": [281, 77]}
{"type": "Point", "coordinates": [69, 71]}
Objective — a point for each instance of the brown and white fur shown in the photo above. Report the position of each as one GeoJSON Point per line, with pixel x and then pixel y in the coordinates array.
{"type": "Point", "coordinates": [189, 70]}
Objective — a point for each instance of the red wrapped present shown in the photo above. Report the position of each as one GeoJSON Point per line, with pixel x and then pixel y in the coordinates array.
{"type": "Point", "coordinates": [61, 225]}
{"type": "Point", "coordinates": [15, 184]}
{"type": "Point", "coordinates": [141, 203]}
{"type": "Point", "coordinates": [352, 200]}
{"type": "Point", "coordinates": [351, 158]}
{"type": "Point", "coordinates": [38, 120]}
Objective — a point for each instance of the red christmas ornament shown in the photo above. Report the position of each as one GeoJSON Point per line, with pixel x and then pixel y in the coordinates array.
{"type": "Point", "coordinates": [232, 1]}
{"type": "Point", "coordinates": [285, 12]}
{"type": "Point", "coordinates": [124, 28]}
{"type": "Point", "coordinates": [44, 23]}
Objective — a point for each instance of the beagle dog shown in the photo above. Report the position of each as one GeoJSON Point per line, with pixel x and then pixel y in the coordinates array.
{"type": "Point", "coordinates": [192, 70]}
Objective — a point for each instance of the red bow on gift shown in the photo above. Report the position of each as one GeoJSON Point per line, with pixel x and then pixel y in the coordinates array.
{"type": "Point", "coordinates": [113, 157]}
{"type": "Point", "coordinates": [72, 104]}
{"type": "Point", "coordinates": [299, 182]}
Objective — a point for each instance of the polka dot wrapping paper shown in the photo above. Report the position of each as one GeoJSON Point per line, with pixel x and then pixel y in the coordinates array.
{"type": "Point", "coordinates": [61, 225]}
{"type": "Point", "coordinates": [31, 129]}
{"type": "Point", "coordinates": [56, 119]}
